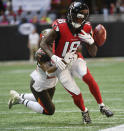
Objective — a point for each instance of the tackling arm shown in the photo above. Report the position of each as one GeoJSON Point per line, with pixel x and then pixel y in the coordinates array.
{"type": "Point", "coordinates": [43, 61]}
{"type": "Point", "coordinates": [47, 68]}
{"type": "Point", "coordinates": [47, 41]}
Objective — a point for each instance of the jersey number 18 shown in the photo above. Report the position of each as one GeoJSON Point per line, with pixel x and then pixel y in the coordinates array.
{"type": "Point", "coordinates": [73, 47]}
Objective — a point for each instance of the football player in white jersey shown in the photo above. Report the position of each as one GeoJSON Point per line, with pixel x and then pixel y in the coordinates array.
{"type": "Point", "coordinates": [42, 87]}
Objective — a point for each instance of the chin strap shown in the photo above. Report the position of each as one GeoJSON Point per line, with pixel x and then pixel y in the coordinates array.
{"type": "Point", "coordinates": [76, 25]}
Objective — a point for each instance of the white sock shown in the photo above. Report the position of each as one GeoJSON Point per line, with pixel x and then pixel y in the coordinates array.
{"type": "Point", "coordinates": [35, 106]}
{"type": "Point", "coordinates": [28, 96]}
{"type": "Point", "coordinates": [86, 109]}
{"type": "Point", "coordinates": [102, 104]}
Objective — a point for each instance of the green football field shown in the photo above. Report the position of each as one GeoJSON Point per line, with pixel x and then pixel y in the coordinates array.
{"type": "Point", "coordinates": [109, 73]}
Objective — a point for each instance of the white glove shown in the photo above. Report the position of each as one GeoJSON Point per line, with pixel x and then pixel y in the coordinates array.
{"type": "Point", "coordinates": [70, 57]}
{"type": "Point", "coordinates": [58, 62]}
{"type": "Point", "coordinates": [85, 37]}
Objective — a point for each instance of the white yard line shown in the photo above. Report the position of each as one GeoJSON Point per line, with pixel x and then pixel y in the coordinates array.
{"type": "Point", "coordinates": [112, 118]}
{"type": "Point", "coordinates": [104, 59]}
{"type": "Point", "coordinates": [57, 111]}
{"type": "Point", "coordinates": [53, 128]}
{"type": "Point", "coordinates": [17, 71]}
{"type": "Point", "coordinates": [119, 114]}
{"type": "Point", "coordinates": [6, 63]}
{"type": "Point", "coordinates": [68, 101]}
{"type": "Point", "coordinates": [116, 128]}
{"type": "Point", "coordinates": [89, 100]}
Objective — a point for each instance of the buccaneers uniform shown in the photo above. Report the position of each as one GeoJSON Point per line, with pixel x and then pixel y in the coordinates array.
{"type": "Point", "coordinates": [42, 85]}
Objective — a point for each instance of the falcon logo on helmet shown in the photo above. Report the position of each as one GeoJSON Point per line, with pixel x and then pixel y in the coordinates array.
{"type": "Point", "coordinates": [77, 14]}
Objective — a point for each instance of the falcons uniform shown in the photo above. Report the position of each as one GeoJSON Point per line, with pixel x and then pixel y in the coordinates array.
{"type": "Point", "coordinates": [66, 41]}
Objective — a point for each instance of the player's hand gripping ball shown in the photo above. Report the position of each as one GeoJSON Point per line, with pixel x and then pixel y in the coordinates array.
{"type": "Point", "coordinates": [99, 35]}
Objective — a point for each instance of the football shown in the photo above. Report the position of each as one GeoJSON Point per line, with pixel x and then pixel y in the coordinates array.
{"type": "Point", "coordinates": [99, 35]}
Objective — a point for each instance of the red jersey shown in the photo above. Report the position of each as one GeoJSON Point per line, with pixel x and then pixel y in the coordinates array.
{"type": "Point", "coordinates": [66, 40]}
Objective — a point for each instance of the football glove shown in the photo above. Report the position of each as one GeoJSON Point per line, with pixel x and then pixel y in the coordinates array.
{"type": "Point", "coordinates": [58, 62]}
{"type": "Point", "coordinates": [70, 57]}
{"type": "Point", "coordinates": [85, 37]}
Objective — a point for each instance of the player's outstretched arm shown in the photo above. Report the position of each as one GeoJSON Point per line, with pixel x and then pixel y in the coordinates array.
{"type": "Point", "coordinates": [86, 37]}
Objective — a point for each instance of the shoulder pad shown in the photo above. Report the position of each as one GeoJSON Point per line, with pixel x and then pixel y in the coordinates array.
{"type": "Point", "coordinates": [58, 23]}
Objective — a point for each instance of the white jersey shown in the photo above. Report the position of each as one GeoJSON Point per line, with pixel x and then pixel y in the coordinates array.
{"type": "Point", "coordinates": [42, 82]}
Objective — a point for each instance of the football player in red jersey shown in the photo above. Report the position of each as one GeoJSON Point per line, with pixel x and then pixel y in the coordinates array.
{"type": "Point", "coordinates": [68, 34]}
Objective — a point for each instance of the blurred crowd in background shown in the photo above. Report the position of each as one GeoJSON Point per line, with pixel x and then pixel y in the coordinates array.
{"type": "Point", "coordinates": [56, 9]}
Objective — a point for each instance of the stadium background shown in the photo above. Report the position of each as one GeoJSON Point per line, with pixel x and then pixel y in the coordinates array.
{"type": "Point", "coordinates": [13, 14]}
{"type": "Point", "coordinates": [108, 69]}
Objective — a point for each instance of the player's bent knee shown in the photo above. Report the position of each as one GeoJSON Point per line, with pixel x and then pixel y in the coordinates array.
{"type": "Point", "coordinates": [50, 111]}
{"type": "Point", "coordinates": [82, 70]}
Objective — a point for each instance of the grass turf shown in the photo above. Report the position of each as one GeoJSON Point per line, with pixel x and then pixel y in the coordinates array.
{"type": "Point", "coordinates": [109, 74]}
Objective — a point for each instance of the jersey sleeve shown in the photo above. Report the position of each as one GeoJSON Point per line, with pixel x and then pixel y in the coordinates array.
{"type": "Point", "coordinates": [87, 28]}
{"type": "Point", "coordinates": [55, 26]}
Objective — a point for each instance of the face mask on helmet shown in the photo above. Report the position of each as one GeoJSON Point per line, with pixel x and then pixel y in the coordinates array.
{"type": "Point", "coordinates": [77, 14]}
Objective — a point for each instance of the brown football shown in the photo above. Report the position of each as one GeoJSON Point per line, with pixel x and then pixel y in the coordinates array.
{"type": "Point", "coordinates": [99, 35]}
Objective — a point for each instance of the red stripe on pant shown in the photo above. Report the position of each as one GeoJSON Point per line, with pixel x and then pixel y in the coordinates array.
{"type": "Point", "coordinates": [40, 102]}
{"type": "Point", "coordinates": [78, 100]}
